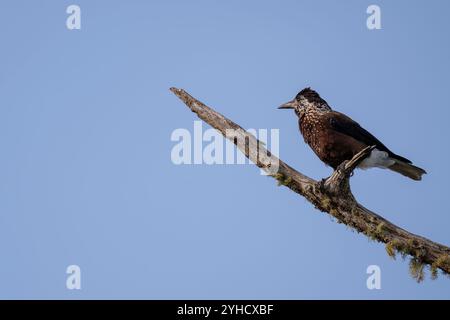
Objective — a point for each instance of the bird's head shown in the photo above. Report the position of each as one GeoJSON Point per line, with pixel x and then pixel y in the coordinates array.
{"type": "Point", "coordinates": [307, 98]}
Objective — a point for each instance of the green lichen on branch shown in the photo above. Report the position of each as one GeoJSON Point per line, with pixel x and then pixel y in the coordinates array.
{"type": "Point", "coordinates": [442, 261]}
{"type": "Point", "coordinates": [416, 269]}
{"type": "Point", "coordinates": [393, 247]}
{"type": "Point", "coordinates": [282, 180]}
{"type": "Point", "coordinates": [381, 229]}
{"type": "Point", "coordinates": [376, 233]}
{"type": "Point", "coordinates": [418, 252]}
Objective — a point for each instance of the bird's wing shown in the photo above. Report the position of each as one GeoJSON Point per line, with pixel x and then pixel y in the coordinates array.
{"type": "Point", "coordinates": [343, 124]}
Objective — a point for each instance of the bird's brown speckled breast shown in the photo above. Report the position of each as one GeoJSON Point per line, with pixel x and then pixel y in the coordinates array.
{"type": "Point", "coordinates": [324, 141]}
{"type": "Point", "coordinates": [312, 128]}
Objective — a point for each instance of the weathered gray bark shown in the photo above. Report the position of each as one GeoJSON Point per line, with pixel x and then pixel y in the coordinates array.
{"type": "Point", "coordinates": [333, 196]}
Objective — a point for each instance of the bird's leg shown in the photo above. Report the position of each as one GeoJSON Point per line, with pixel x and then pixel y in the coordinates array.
{"type": "Point", "coordinates": [343, 166]}
{"type": "Point", "coordinates": [351, 165]}
{"type": "Point", "coordinates": [339, 181]}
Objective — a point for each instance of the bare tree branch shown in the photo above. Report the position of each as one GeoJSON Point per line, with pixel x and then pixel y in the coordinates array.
{"type": "Point", "coordinates": [333, 196]}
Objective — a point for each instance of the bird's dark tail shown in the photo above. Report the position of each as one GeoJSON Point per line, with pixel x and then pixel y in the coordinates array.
{"type": "Point", "coordinates": [407, 169]}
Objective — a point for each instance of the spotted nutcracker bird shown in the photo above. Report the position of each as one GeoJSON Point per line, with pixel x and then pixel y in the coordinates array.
{"type": "Point", "coordinates": [334, 137]}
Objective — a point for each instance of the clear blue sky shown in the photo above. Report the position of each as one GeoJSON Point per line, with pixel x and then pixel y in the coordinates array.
{"type": "Point", "coordinates": [85, 122]}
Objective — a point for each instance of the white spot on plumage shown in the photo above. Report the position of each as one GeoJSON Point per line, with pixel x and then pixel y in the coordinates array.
{"type": "Point", "coordinates": [378, 159]}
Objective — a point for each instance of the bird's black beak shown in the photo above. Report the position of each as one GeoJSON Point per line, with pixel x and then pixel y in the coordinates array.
{"type": "Point", "coordinates": [288, 105]}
